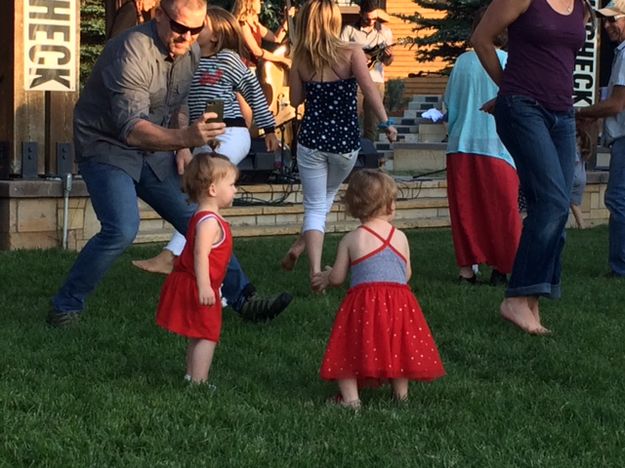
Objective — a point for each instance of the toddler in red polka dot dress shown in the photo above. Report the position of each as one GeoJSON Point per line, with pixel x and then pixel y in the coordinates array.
{"type": "Point", "coordinates": [379, 333]}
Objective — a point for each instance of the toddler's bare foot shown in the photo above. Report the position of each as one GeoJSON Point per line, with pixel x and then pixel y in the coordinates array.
{"type": "Point", "coordinates": [163, 263]}
{"type": "Point", "coordinates": [517, 311]}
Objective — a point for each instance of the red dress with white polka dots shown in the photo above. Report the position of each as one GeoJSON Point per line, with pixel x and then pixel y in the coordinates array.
{"type": "Point", "coordinates": [379, 331]}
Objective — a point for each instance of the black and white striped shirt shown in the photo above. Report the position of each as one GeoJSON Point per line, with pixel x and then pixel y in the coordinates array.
{"type": "Point", "coordinates": [218, 77]}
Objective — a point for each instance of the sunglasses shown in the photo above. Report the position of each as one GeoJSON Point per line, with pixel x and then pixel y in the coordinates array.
{"type": "Point", "coordinates": [181, 28]}
{"type": "Point", "coordinates": [613, 19]}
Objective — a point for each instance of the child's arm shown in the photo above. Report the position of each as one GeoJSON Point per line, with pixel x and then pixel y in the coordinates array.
{"type": "Point", "coordinates": [404, 248]}
{"type": "Point", "coordinates": [336, 275]}
{"type": "Point", "coordinates": [206, 234]}
{"type": "Point", "coordinates": [339, 270]}
{"type": "Point", "coordinates": [408, 266]}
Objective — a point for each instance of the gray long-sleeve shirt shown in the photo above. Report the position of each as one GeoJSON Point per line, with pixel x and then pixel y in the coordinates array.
{"type": "Point", "coordinates": [135, 78]}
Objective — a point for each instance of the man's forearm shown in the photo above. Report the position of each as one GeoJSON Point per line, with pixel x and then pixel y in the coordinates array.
{"type": "Point", "coordinates": [151, 137]}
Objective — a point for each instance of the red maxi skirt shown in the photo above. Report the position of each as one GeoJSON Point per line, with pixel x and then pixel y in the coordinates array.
{"type": "Point", "coordinates": [483, 196]}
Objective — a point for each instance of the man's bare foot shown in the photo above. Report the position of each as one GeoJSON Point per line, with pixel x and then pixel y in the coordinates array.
{"type": "Point", "coordinates": [517, 311]}
{"type": "Point", "coordinates": [163, 263]}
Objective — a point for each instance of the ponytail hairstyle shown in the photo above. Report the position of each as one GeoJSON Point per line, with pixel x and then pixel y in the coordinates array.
{"type": "Point", "coordinates": [318, 44]}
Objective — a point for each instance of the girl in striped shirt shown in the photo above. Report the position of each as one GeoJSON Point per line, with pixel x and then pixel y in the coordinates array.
{"type": "Point", "coordinates": [220, 75]}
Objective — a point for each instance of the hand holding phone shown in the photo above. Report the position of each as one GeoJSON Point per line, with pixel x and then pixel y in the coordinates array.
{"type": "Point", "coordinates": [217, 107]}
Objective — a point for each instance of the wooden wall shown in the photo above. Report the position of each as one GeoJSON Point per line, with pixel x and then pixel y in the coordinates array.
{"type": "Point", "coordinates": [44, 118]}
{"type": "Point", "coordinates": [405, 61]}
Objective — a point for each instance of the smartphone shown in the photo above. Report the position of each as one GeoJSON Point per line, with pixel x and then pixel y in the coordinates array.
{"type": "Point", "coordinates": [217, 107]}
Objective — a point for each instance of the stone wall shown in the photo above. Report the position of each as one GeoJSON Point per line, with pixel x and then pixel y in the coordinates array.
{"type": "Point", "coordinates": [32, 212]}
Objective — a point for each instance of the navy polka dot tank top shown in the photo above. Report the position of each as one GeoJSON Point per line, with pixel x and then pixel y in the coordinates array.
{"type": "Point", "coordinates": [330, 120]}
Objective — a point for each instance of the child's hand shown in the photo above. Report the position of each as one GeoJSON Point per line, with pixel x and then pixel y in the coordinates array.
{"type": "Point", "coordinates": [206, 296]}
{"type": "Point", "coordinates": [321, 280]}
{"type": "Point", "coordinates": [271, 142]}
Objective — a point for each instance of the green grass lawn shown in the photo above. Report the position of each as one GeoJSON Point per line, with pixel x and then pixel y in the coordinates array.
{"type": "Point", "coordinates": [110, 392]}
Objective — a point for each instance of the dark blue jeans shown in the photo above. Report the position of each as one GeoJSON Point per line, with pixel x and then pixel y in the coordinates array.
{"type": "Point", "coordinates": [542, 143]}
{"type": "Point", "coordinates": [615, 202]}
{"type": "Point", "coordinates": [114, 195]}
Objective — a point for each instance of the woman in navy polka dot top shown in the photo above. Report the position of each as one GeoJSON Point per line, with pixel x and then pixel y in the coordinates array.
{"type": "Point", "coordinates": [325, 75]}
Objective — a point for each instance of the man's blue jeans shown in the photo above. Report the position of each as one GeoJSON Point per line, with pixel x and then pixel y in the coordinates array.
{"type": "Point", "coordinates": [615, 202]}
{"type": "Point", "coordinates": [114, 195]}
{"type": "Point", "coordinates": [542, 143]}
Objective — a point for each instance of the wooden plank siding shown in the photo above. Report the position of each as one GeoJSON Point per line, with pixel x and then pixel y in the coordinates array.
{"type": "Point", "coordinates": [405, 61]}
{"type": "Point", "coordinates": [431, 85]}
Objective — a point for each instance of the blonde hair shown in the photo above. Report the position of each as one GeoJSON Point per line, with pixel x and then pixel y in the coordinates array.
{"type": "Point", "coordinates": [370, 193]}
{"type": "Point", "coordinates": [318, 44]}
{"type": "Point", "coordinates": [242, 9]}
{"type": "Point", "coordinates": [203, 170]}
{"type": "Point", "coordinates": [227, 30]}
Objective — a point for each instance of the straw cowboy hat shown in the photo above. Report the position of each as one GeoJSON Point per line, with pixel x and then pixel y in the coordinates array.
{"type": "Point", "coordinates": [615, 7]}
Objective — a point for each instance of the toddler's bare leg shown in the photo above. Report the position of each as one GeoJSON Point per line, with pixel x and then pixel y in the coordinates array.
{"type": "Point", "coordinates": [349, 392]}
{"type": "Point", "coordinates": [199, 358]}
{"type": "Point", "coordinates": [400, 389]}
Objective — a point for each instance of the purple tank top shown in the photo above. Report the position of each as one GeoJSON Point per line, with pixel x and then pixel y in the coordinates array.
{"type": "Point", "coordinates": [542, 45]}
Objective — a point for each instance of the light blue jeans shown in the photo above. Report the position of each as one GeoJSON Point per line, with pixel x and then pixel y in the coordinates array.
{"type": "Point", "coordinates": [615, 202]}
{"type": "Point", "coordinates": [114, 195]}
{"type": "Point", "coordinates": [322, 174]}
{"type": "Point", "coordinates": [542, 143]}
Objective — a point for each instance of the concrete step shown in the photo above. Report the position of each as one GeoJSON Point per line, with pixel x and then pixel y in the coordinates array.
{"type": "Point", "coordinates": [432, 132]}
{"type": "Point", "coordinates": [419, 157]}
{"type": "Point", "coordinates": [404, 129]}
{"type": "Point", "coordinates": [430, 99]}
{"type": "Point", "coordinates": [423, 106]}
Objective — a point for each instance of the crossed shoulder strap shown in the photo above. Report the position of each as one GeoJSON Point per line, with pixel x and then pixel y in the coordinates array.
{"type": "Point", "coordinates": [385, 243]}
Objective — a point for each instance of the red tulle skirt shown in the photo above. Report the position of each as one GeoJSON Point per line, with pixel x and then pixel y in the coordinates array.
{"type": "Point", "coordinates": [380, 333]}
{"type": "Point", "coordinates": [483, 195]}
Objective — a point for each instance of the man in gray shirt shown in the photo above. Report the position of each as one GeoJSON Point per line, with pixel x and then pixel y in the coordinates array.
{"type": "Point", "coordinates": [125, 131]}
{"type": "Point", "coordinates": [613, 110]}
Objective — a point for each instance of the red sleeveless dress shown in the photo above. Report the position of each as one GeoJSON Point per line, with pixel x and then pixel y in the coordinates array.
{"type": "Point", "coordinates": [179, 309]}
{"type": "Point", "coordinates": [379, 331]}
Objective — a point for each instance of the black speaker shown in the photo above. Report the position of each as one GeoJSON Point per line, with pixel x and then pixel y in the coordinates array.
{"type": "Point", "coordinates": [257, 165]}
{"type": "Point", "coordinates": [368, 157]}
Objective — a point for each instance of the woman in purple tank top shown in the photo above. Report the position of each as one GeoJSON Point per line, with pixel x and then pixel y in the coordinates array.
{"type": "Point", "coordinates": [536, 122]}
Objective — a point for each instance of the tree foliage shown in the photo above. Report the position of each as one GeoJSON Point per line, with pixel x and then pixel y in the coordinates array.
{"type": "Point", "coordinates": [445, 37]}
{"type": "Point", "coordinates": [92, 34]}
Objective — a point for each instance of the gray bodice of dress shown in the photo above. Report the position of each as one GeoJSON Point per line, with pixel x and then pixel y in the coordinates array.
{"type": "Point", "coordinates": [384, 266]}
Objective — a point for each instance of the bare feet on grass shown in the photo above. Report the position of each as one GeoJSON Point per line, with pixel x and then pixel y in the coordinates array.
{"type": "Point", "coordinates": [517, 311]}
{"type": "Point", "coordinates": [289, 261]}
{"type": "Point", "coordinates": [163, 263]}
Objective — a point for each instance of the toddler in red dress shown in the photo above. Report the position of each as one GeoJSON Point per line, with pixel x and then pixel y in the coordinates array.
{"type": "Point", "coordinates": [190, 303]}
{"type": "Point", "coordinates": [379, 332]}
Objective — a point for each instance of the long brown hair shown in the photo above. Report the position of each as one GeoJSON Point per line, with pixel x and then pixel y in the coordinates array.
{"type": "Point", "coordinates": [318, 44]}
{"type": "Point", "coordinates": [226, 29]}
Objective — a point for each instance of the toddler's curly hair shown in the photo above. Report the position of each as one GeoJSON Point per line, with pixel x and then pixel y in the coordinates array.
{"type": "Point", "coordinates": [203, 170]}
{"type": "Point", "coordinates": [370, 193]}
